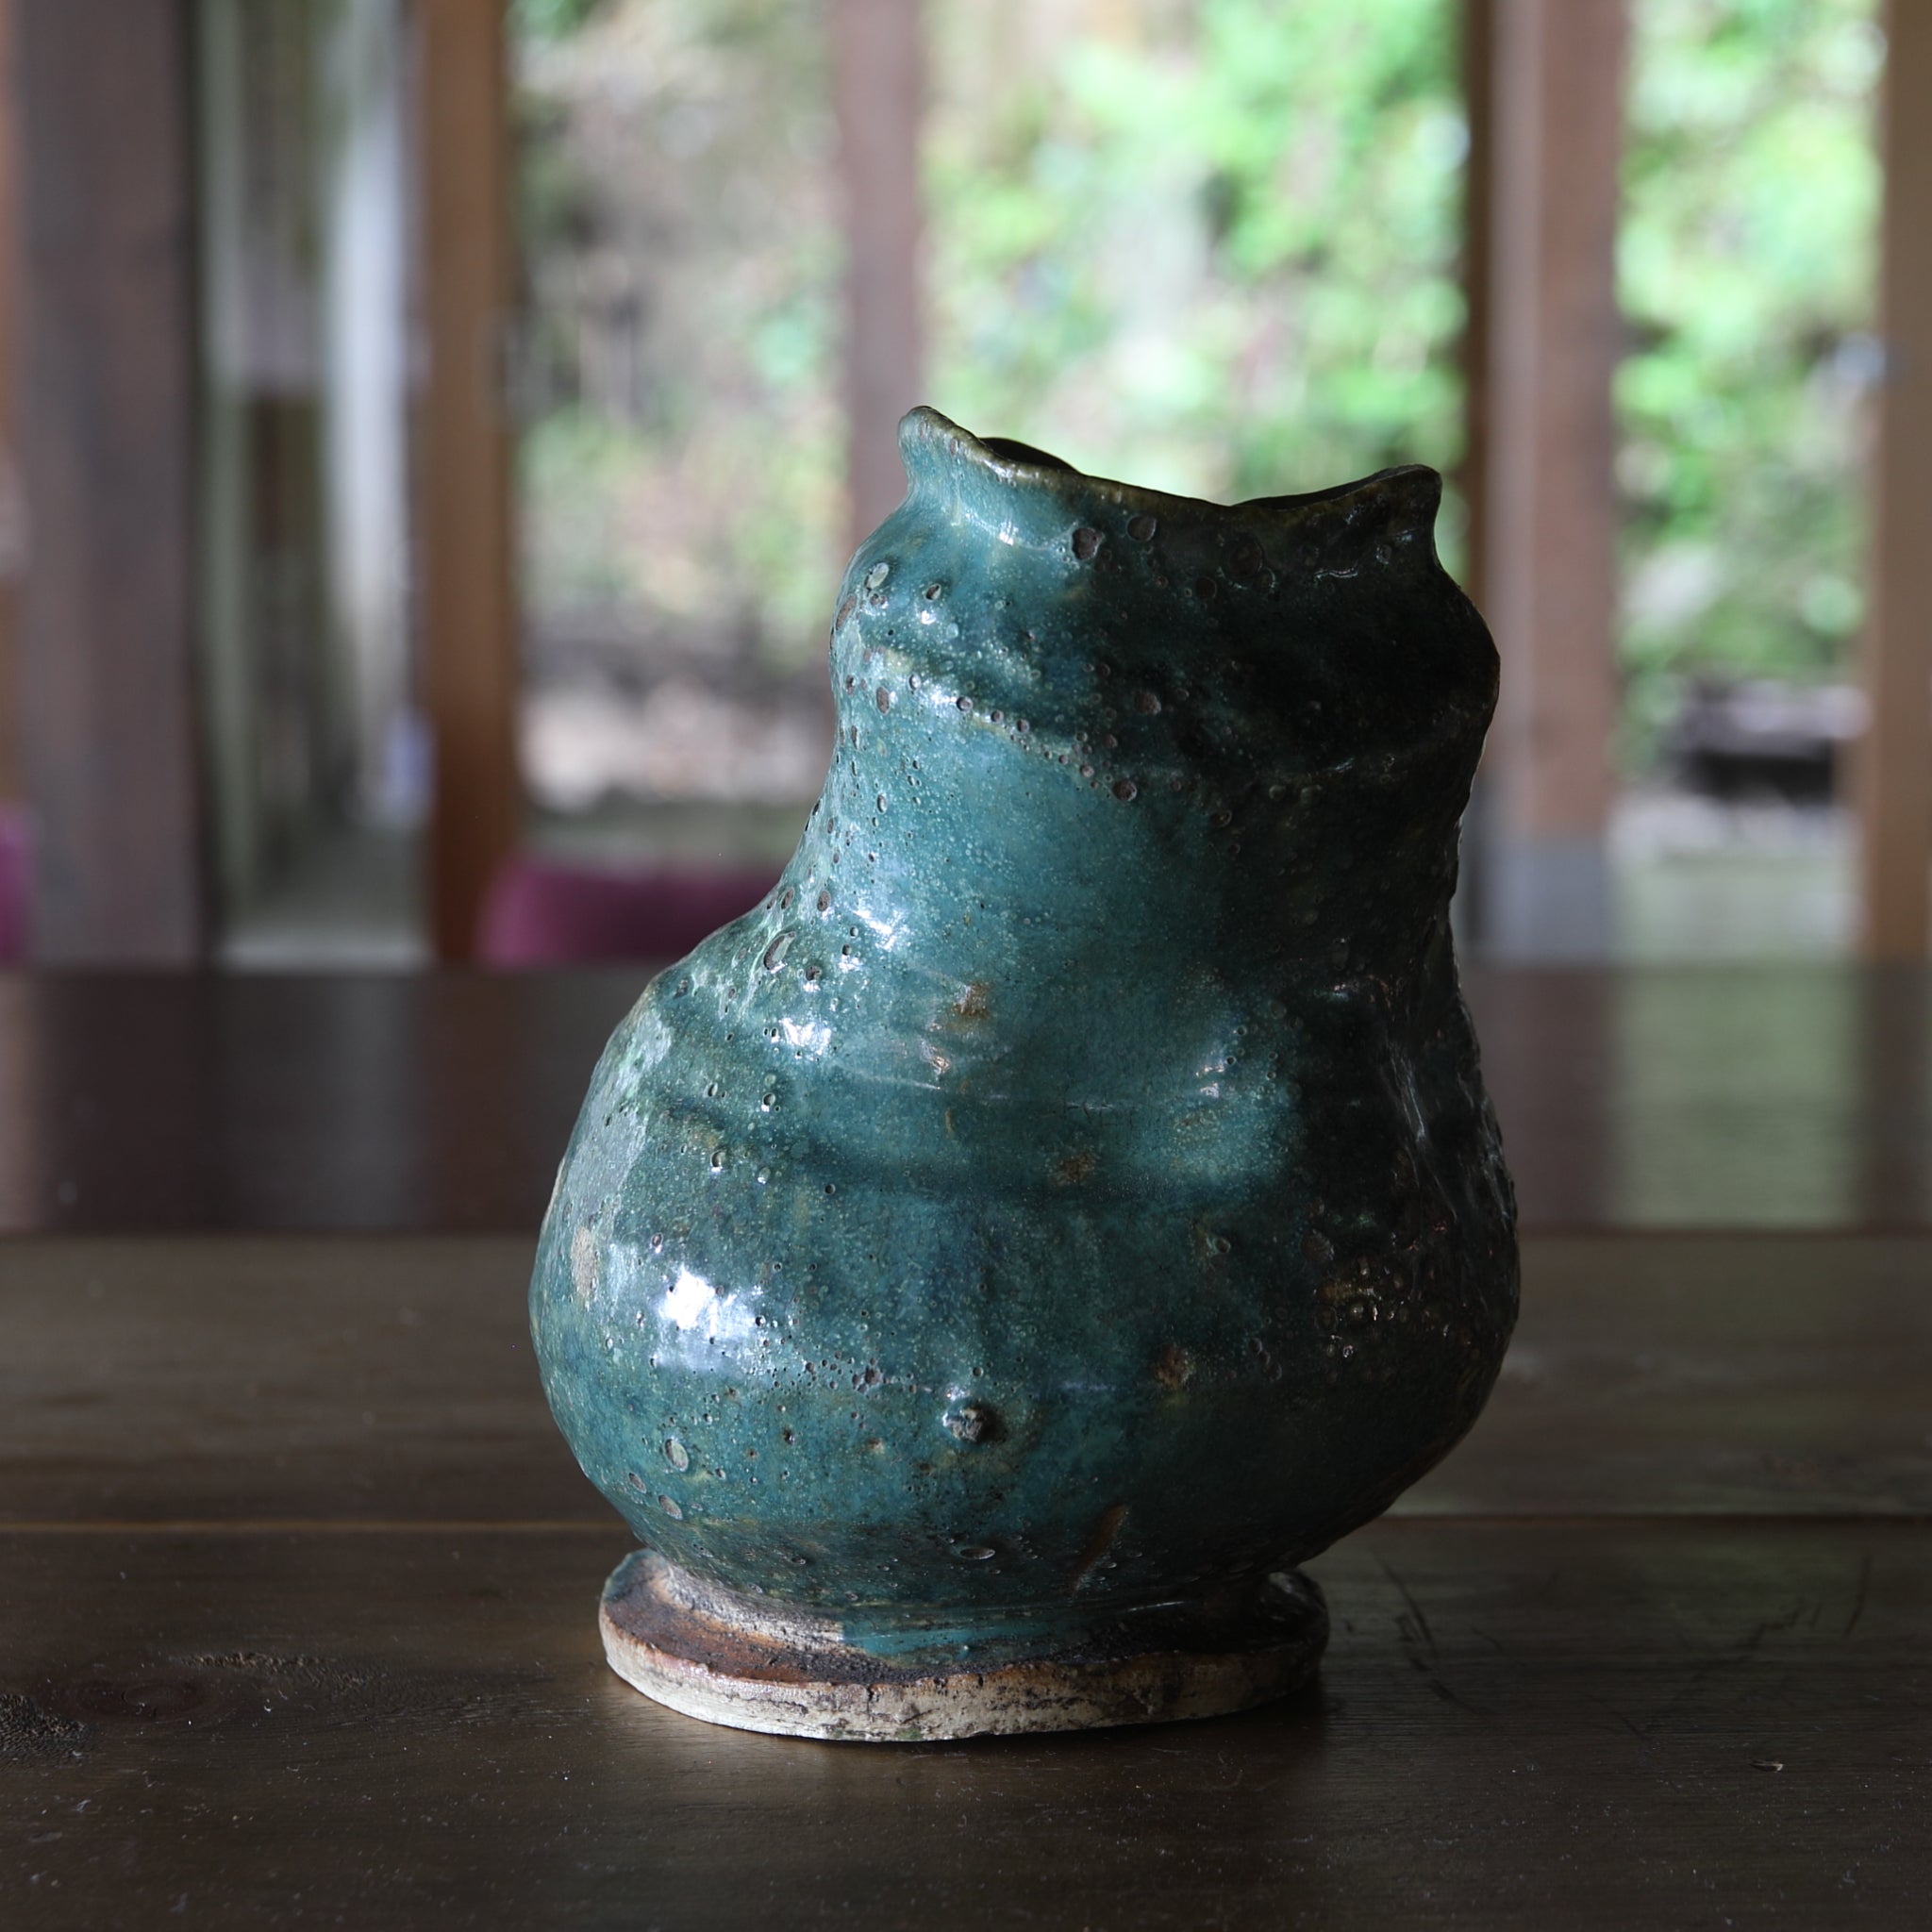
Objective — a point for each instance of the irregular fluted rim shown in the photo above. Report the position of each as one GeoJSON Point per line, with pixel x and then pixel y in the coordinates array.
{"type": "Point", "coordinates": [1400, 501]}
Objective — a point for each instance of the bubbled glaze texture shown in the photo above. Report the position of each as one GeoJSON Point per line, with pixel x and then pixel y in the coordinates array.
{"type": "Point", "coordinates": [1074, 1189]}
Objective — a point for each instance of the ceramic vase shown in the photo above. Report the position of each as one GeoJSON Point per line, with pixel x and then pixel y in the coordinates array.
{"type": "Point", "coordinates": [983, 1272]}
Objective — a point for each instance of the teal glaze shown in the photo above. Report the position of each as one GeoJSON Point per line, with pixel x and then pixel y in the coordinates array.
{"type": "Point", "coordinates": [1072, 1193]}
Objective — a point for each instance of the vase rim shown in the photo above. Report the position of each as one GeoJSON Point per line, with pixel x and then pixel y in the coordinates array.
{"type": "Point", "coordinates": [1404, 492]}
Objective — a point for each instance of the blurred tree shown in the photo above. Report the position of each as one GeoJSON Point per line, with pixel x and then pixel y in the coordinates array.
{"type": "Point", "coordinates": [1209, 246]}
{"type": "Point", "coordinates": [681, 457]}
{"type": "Point", "coordinates": [1206, 244]}
{"type": "Point", "coordinates": [550, 20]}
{"type": "Point", "coordinates": [1748, 276]}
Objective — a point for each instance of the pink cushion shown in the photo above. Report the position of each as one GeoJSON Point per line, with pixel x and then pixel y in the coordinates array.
{"type": "Point", "coordinates": [16, 882]}
{"type": "Point", "coordinates": [541, 913]}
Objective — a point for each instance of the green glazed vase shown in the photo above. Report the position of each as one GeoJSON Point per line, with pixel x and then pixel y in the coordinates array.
{"type": "Point", "coordinates": [980, 1273]}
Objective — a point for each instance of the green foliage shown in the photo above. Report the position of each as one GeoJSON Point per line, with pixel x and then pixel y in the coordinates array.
{"type": "Point", "coordinates": [550, 20]}
{"type": "Point", "coordinates": [1747, 275]}
{"type": "Point", "coordinates": [682, 449]}
{"type": "Point", "coordinates": [1207, 244]}
{"type": "Point", "coordinates": [1211, 248]}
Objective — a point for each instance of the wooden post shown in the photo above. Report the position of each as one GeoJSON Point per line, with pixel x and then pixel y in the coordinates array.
{"type": "Point", "coordinates": [1479, 61]}
{"type": "Point", "coordinates": [1894, 767]}
{"type": "Point", "coordinates": [462, 461]}
{"type": "Point", "coordinates": [106, 672]}
{"type": "Point", "coordinates": [1547, 517]}
{"type": "Point", "coordinates": [878, 91]}
{"type": "Point", "coordinates": [10, 532]}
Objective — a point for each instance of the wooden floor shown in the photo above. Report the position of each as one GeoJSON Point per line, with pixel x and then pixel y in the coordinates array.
{"type": "Point", "coordinates": [297, 1582]}
{"type": "Point", "coordinates": [1670, 1722]}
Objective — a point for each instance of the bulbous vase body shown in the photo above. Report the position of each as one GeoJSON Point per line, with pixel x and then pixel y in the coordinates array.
{"type": "Point", "coordinates": [1070, 1197]}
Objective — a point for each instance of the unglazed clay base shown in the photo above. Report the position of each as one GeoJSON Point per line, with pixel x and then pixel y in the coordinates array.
{"type": "Point", "coordinates": [730, 1660]}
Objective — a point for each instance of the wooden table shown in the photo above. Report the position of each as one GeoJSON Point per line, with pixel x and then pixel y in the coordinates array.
{"type": "Point", "coordinates": [296, 1580]}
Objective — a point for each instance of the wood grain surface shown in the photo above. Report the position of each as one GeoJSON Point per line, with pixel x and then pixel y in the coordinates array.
{"type": "Point", "coordinates": [1670, 1724]}
{"type": "Point", "coordinates": [298, 1583]}
{"type": "Point", "coordinates": [389, 1379]}
{"type": "Point", "coordinates": [1703, 1098]}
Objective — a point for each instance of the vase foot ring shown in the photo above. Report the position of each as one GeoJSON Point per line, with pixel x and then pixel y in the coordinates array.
{"type": "Point", "coordinates": [728, 1659]}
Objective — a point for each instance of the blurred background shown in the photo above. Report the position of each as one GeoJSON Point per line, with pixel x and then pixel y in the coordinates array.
{"type": "Point", "coordinates": [434, 429]}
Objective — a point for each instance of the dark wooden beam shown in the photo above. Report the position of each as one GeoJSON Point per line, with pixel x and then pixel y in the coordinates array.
{"type": "Point", "coordinates": [879, 96]}
{"type": "Point", "coordinates": [1895, 774]}
{"type": "Point", "coordinates": [470, 672]}
{"type": "Point", "coordinates": [106, 672]}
